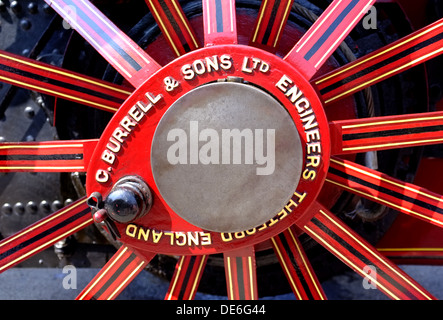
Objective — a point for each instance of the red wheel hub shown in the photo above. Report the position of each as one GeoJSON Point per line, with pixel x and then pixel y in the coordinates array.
{"type": "Point", "coordinates": [233, 143]}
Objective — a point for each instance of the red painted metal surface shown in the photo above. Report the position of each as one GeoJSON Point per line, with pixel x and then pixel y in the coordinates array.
{"type": "Point", "coordinates": [386, 62]}
{"type": "Point", "coordinates": [354, 251]}
{"type": "Point", "coordinates": [52, 156]}
{"type": "Point", "coordinates": [270, 24]}
{"type": "Point", "coordinates": [404, 197]}
{"type": "Point", "coordinates": [125, 146]}
{"type": "Point", "coordinates": [164, 222]}
{"type": "Point", "coordinates": [389, 132]}
{"type": "Point", "coordinates": [326, 34]}
{"type": "Point", "coordinates": [61, 83]}
{"type": "Point", "coordinates": [44, 233]}
{"type": "Point", "coordinates": [186, 278]}
{"type": "Point", "coordinates": [220, 22]}
{"type": "Point", "coordinates": [118, 272]}
{"type": "Point", "coordinates": [295, 264]}
{"type": "Point", "coordinates": [412, 241]}
{"type": "Point", "coordinates": [115, 46]}
{"type": "Point", "coordinates": [241, 277]}
{"type": "Point", "coordinates": [175, 26]}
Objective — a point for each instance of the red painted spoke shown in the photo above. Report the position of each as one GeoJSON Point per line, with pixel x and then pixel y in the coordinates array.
{"type": "Point", "coordinates": [359, 255]}
{"type": "Point", "coordinates": [270, 23]}
{"type": "Point", "coordinates": [326, 34]}
{"type": "Point", "coordinates": [118, 272]}
{"type": "Point", "coordinates": [44, 233]}
{"type": "Point", "coordinates": [187, 276]}
{"type": "Point", "coordinates": [404, 197]}
{"type": "Point", "coordinates": [174, 25]}
{"type": "Point", "coordinates": [50, 156]}
{"type": "Point", "coordinates": [389, 132]}
{"type": "Point", "coordinates": [219, 22]}
{"type": "Point", "coordinates": [116, 47]}
{"type": "Point", "coordinates": [296, 266]}
{"type": "Point", "coordinates": [241, 277]}
{"type": "Point", "coordinates": [386, 62]}
{"type": "Point", "coordinates": [61, 83]}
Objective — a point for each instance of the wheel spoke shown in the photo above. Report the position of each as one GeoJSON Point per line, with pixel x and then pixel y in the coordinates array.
{"type": "Point", "coordinates": [296, 266]}
{"type": "Point", "coordinates": [187, 276]}
{"type": "Point", "coordinates": [389, 132]}
{"type": "Point", "coordinates": [115, 46]}
{"type": "Point", "coordinates": [50, 156]}
{"type": "Point", "coordinates": [219, 22]}
{"type": "Point", "coordinates": [359, 255]}
{"type": "Point", "coordinates": [404, 197]}
{"type": "Point", "coordinates": [270, 23]}
{"type": "Point", "coordinates": [118, 272]}
{"type": "Point", "coordinates": [174, 25]}
{"type": "Point", "coordinates": [44, 233]}
{"type": "Point", "coordinates": [326, 34]}
{"type": "Point", "coordinates": [386, 62]}
{"type": "Point", "coordinates": [241, 277]}
{"type": "Point", "coordinates": [61, 83]}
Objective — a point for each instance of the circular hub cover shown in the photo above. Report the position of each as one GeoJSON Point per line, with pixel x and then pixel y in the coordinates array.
{"type": "Point", "coordinates": [233, 144]}
{"type": "Point", "coordinates": [226, 157]}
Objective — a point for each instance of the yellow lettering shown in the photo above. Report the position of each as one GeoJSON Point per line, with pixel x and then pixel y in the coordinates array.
{"type": "Point", "coordinates": [193, 238]}
{"type": "Point", "coordinates": [205, 238]}
{"type": "Point", "coordinates": [226, 237]}
{"type": "Point", "coordinates": [143, 233]}
{"type": "Point", "coordinates": [131, 230]}
{"type": "Point", "coordinates": [108, 157]}
{"type": "Point", "coordinates": [171, 237]}
{"type": "Point", "coordinates": [309, 174]}
{"type": "Point", "coordinates": [156, 236]}
{"type": "Point", "coordinates": [181, 242]}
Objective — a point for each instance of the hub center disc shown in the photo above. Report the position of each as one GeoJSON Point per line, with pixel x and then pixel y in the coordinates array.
{"type": "Point", "coordinates": [226, 157]}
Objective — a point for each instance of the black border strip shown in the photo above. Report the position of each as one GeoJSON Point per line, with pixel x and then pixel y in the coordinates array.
{"type": "Point", "coordinates": [45, 157]}
{"type": "Point", "coordinates": [219, 15]}
{"type": "Point", "coordinates": [240, 279]}
{"type": "Point", "coordinates": [391, 133]}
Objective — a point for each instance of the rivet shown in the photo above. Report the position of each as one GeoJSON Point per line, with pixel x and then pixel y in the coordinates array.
{"type": "Point", "coordinates": [19, 208]}
{"type": "Point", "coordinates": [30, 112]}
{"type": "Point", "coordinates": [25, 24]}
{"type": "Point", "coordinates": [31, 207]}
{"type": "Point", "coordinates": [47, 8]}
{"type": "Point", "coordinates": [7, 209]}
{"type": "Point", "coordinates": [45, 206]}
{"type": "Point", "coordinates": [16, 7]}
{"type": "Point", "coordinates": [56, 205]}
{"type": "Point", "coordinates": [33, 7]}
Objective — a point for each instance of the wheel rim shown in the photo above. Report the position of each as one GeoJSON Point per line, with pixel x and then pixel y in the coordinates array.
{"type": "Point", "coordinates": [125, 148]}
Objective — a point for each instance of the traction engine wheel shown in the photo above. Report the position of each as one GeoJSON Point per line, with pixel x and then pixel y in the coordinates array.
{"type": "Point", "coordinates": [230, 148]}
